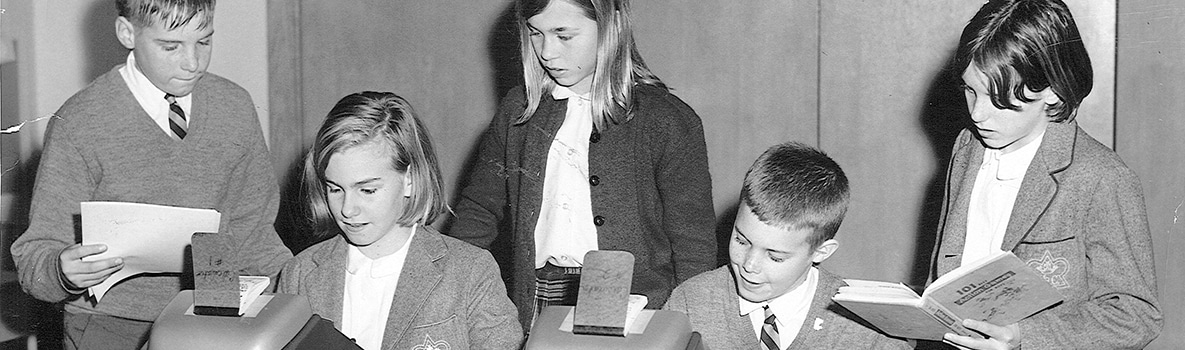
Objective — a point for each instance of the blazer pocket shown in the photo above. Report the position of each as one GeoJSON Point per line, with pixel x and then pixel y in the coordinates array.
{"type": "Point", "coordinates": [448, 333]}
{"type": "Point", "coordinates": [445, 321]}
{"type": "Point", "coordinates": [1044, 237]}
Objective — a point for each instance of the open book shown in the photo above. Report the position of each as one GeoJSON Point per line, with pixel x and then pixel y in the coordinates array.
{"type": "Point", "coordinates": [999, 289]}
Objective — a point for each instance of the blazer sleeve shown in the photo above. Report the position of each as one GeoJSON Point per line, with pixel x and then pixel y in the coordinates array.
{"type": "Point", "coordinates": [493, 318]}
{"type": "Point", "coordinates": [483, 200]}
{"type": "Point", "coordinates": [1122, 310]}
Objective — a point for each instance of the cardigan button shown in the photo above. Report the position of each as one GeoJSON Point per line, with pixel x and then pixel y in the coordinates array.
{"type": "Point", "coordinates": [596, 137]}
{"type": "Point", "coordinates": [599, 220]}
{"type": "Point", "coordinates": [594, 180]}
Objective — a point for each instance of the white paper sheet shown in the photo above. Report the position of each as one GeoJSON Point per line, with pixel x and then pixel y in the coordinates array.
{"type": "Point", "coordinates": [149, 238]}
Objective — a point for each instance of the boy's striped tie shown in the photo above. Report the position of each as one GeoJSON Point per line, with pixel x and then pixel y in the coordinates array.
{"type": "Point", "coordinates": [769, 331]}
{"type": "Point", "coordinates": [177, 121]}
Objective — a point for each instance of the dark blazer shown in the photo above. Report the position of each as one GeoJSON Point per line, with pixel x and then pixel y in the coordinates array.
{"type": "Point", "coordinates": [710, 300]}
{"type": "Point", "coordinates": [651, 191]}
{"type": "Point", "coordinates": [1079, 221]}
{"type": "Point", "coordinates": [449, 291]}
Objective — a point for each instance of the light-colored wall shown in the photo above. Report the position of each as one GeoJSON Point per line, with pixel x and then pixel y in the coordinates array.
{"type": "Point", "coordinates": [73, 41]}
{"type": "Point", "coordinates": [1150, 137]}
{"type": "Point", "coordinates": [59, 46]}
{"type": "Point", "coordinates": [889, 114]}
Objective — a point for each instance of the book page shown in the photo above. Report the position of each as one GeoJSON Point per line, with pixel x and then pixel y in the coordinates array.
{"type": "Point", "coordinates": [150, 238]}
{"type": "Point", "coordinates": [863, 290]}
{"type": "Point", "coordinates": [999, 289]}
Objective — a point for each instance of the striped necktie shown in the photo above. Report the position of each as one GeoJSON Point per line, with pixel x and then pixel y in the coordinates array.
{"type": "Point", "coordinates": [769, 331]}
{"type": "Point", "coordinates": [177, 121]}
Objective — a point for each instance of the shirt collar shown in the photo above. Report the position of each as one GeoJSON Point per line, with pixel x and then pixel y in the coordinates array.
{"type": "Point", "coordinates": [563, 93]}
{"type": "Point", "coordinates": [381, 267]}
{"type": "Point", "coordinates": [790, 302]}
{"type": "Point", "coordinates": [149, 96]}
{"type": "Point", "coordinates": [1014, 164]}
{"type": "Point", "coordinates": [141, 87]}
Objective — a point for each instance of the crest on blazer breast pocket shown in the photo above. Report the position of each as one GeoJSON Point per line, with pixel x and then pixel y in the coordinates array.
{"type": "Point", "coordinates": [430, 344]}
{"type": "Point", "coordinates": [1052, 269]}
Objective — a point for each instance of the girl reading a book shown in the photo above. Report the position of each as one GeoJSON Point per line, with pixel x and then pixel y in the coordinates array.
{"type": "Point", "coordinates": [1025, 178]}
{"type": "Point", "coordinates": [384, 276]}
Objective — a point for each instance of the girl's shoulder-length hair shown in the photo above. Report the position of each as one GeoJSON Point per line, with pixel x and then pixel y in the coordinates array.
{"type": "Point", "coordinates": [619, 67]}
{"type": "Point", "coordinates": [381, 118]}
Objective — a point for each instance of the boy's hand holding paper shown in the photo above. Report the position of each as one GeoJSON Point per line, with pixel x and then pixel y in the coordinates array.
{"type": "Point", "coordinates": [77, 274]}
{"type": "Point", "coordinates": [148, 238]}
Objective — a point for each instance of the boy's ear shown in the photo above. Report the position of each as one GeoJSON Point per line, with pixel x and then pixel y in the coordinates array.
{"type": "Point", "coordinates": [824, 251]}
{"type": "Point", "coordinates": [126, 32]}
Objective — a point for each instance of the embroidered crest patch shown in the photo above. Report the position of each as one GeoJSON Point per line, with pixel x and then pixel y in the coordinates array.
{"type": "Point", "coordinates": [429, 344]}
{"type": "Point", "coordinates": [1052, 269]}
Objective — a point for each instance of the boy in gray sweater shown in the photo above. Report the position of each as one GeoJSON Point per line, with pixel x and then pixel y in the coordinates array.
{"type": "Point", "coordinates": [157, 130]}
{"type": "Point", "coordinates": [771, 295]}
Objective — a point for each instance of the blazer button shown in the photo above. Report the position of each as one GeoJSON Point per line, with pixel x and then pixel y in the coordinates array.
{"type": "Point", "coordinates": [596, 137]}
{"type": "Point", "coordinates": [594, 180]}
{"type": "Point", "coordinates": [599, 220]}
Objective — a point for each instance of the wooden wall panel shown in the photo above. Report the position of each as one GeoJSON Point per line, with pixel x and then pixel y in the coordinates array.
{"type": "Point", "coordinates": [434, 53]}
{"type": "Point", "coordinates": [889, 115]}
{"type": "Point", "coordinates": [750, 72]}
{"type": "Point", "coordinates": [1150, 137]}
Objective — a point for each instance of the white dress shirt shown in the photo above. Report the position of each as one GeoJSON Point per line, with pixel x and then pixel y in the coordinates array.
{"type": "Point", "coordinates": [369, 289]}
{"type": "Point", "coordinates": [565, 230]}
{"type": "Point", "coordinates": [151, 98]}
{"type": "Point", "coordinates": [996, 186]}
{"type": "Point", "coordinates": [789, 309]}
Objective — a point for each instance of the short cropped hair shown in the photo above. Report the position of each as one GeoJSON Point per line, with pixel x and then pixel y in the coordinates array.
{"type": "Point", "coordinates": [619, 65]}
{"type": "Point", "coordinates": [376, 118]}
{"type": "Point", "coordinates": [795, 186]}
{"type": "Point", "coordinates": [172, 14]}
{"type": "Point", "coordinates": [1028, 44]}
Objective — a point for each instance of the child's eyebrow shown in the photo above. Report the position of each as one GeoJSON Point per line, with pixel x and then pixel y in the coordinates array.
{"type": "Point", "coordinates": [557, 30]}
{"type": "Point", "coordinates": [367, 181]}
{"type": "Point", "coordinates": [738, 231]}
{"type": "Point", "coordinates": [362, 182]}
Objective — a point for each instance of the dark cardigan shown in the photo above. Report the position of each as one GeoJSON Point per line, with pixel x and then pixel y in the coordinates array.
{"type": "Point", "coordinates": [650, 186]}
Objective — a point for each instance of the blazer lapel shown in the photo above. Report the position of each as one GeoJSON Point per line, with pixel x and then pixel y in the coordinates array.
{"type": "Point", "coordinates": [331, 268]}
{"type": "Point", "coordinates": [964, 168]}
{"type": "Point", "coordinates": [1039, 185]}
{"type": "Point", "coordinates": [417, 280]}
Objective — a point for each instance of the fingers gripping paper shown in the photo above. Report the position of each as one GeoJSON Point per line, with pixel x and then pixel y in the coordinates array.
{"type": "Point", "coordinates": [149, 238]}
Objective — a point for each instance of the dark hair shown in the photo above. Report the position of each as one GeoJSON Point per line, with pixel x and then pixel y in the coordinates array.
{"type": "Point", "coordinates": [796, 186]}
{"type": "Point", "coordinates": [172, 14]}
{"type": "Point", "coordinates": [1028, 44]}
{"type": "Point", "coordinates": [619, 65]}
{"type": "Point", "coordinates": [381, 118]}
